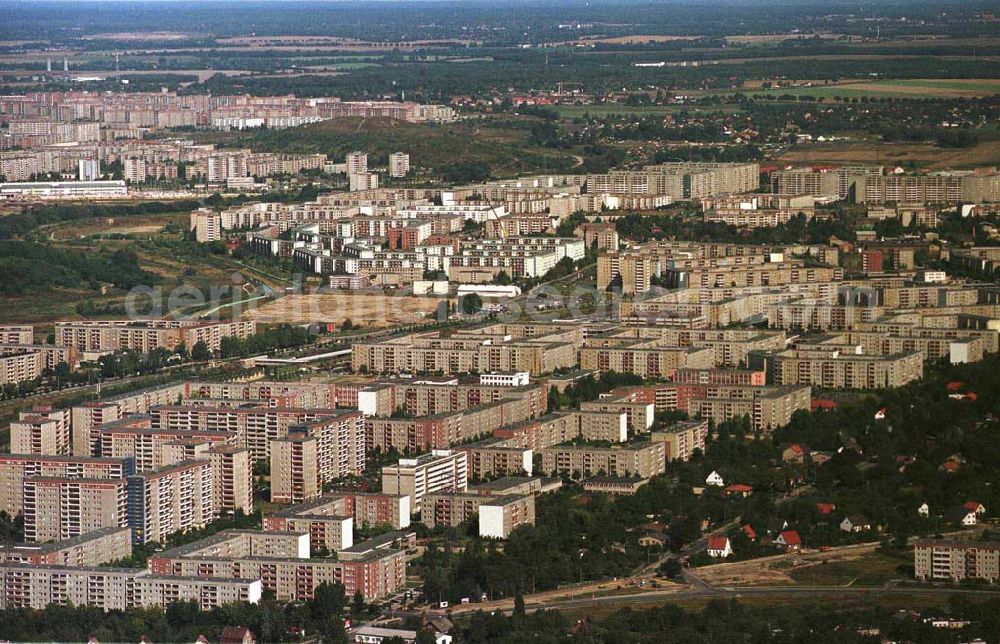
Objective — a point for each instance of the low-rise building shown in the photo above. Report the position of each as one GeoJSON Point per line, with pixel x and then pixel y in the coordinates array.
{"type": "Point", "coordinates": [642, 459]}
{"type": "Point", "coordinates": [93, 548]}
{"type": "Point", "coordinates": [942, 560]}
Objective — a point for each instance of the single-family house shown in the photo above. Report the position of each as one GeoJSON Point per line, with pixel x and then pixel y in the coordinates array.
{"type": "Point", "coordinates": [855, 523]}
{"type": "Point", "coordinates": [961, 516]}
{"type": "Point", "coordinates": [789, 540]}
{"type": "Point", "coordinates": [738, 489]}
{"type": "Point", "coordinates": [795, 453]}
{"type": "Point", "coordinates": [719, 546]}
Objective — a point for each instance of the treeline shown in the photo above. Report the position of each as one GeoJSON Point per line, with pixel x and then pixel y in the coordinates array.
{"type": "Point", "coordinates": [27, 267]}
{"type": "Point", "coordinates": [24, 222]}
{"type": "Point", "coordinates": [642, 228]}
{"type": "Point", "coordinates": [723, 620]}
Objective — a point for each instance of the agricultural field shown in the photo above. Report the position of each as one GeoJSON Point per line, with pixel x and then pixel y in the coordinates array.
{"type": "Point", "coordinates": [924, 155]}
{"type": "Point", "coordinates": [904, 88]}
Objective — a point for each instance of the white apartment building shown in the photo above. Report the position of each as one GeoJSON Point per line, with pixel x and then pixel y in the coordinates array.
{"type": "Point", "coordinates": [362, 181]}
{"type": "Point", "coordinates": [443, 470]}
{"type": "Point", "coordinates": [399, 164]}
{"type": "Point", "coordinates": [357, 163]}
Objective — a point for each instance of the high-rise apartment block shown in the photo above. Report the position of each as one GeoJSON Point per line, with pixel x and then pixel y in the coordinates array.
{"type": "Point", "coordinates": [16, 468]}
{"type": "Point", "coordinates": [171, 499]}
{"type": "Point", "coordinates": [294, 469]}
{"type": "Point", "coordinates": [17, 334]}
{"type": "Point", "coordinates": [57, 508]}
{"type": "Point", "coordinates": [42, 430]}
{"type": "Point", "coordinates": [399, 164]}
{"type": "Point", "coordinates": [440, 471]}
{"type": "Point", "coordinates": [357, 162]}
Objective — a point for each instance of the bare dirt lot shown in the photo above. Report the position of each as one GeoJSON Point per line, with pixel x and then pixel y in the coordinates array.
{"type": "Point", "coordinates": [860, 565]}
{"type": "Point", "coordinates": [369, 309]}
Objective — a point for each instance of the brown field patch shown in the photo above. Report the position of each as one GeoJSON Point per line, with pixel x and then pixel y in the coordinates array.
{"type": "Point", "coordinates": [637, 39]}
{"type": "Point", "coordinates": [142, 36]}
{"type": "Point", "coordinates": [757, 39]}
{"type": "Point", "coordinates": [925, 155]}
{"type": "Point", "coordinates": [361, 307]}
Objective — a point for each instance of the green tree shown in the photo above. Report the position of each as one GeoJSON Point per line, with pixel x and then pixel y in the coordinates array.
{"type": "Point", "coordinates": [426, 636]}
{"type": "Point", "coordinates": [472, 303]}
{"type": "Point", "coordinates": [200, 352]}
{"type": "Point", "coordinates": [519, 603]}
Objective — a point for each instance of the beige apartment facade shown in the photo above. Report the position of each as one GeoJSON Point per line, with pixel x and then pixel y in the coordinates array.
{"type": "Point", "coordinates": [439, 471]}
{"type": "Point", "coordinates": [642, 459]}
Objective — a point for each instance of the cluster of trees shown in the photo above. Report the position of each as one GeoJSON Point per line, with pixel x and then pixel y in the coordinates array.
{"type": "Point", "coordinates": [282, 336]}
{"type": "Point", "coordinates": [11, 528]}
{"type": "Point", "coordinates": [570, 543]}
{"type": "Point", "coordinates": [133, 363]}
{"type": "Point", "coordinates": [641, 228]}
{"type": "Point", "coordinates": [589, 388]}
{"type": "Point", "coordinates": [28, 267]}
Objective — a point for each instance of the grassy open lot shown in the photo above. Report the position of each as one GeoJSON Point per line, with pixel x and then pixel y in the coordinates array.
{"type": "Point", "coordinates": [871, 570]}
{"type": "Point", "coordinates": [131, 225]}
{"type": "Point", "coordinates": [829, 602]}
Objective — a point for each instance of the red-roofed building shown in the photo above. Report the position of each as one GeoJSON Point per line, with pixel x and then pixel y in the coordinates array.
{"type": "Point", "coordinates": [822, 404]}
{"type": "Point", "coordinates": [738, 489]}
{"type": "Point", "coordinates": [975, 506]}
{"type": "Point", "coordinates": [718, 546]}
{"type": "Point", "coordinates": [237, 635]}
{"type": "Point", "coordinates": [954, 385]}
{"type": "Point", "coordinates": [826, 508]}
{"type": "Point", "coordinates": [750, 533]}
{"type": "Point", "coordinates": [795, 453]}
{"type": "Point", "coordinates": [789, 540]}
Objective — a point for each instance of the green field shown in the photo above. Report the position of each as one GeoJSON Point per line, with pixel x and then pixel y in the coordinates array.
{"type": "Point", "coordinates": [911, 88]}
